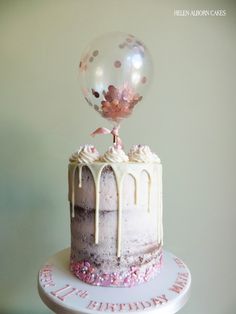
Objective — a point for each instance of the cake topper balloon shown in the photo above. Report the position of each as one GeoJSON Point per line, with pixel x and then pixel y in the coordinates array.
{"type": "Point", "coordinates": [115, 70]}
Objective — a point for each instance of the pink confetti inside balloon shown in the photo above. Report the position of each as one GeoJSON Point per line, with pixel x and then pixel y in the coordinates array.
{"type": "Point", "coordinates": [115, 71]}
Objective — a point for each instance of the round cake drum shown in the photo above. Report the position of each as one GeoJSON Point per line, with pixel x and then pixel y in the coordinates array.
{"type": "Point", "coordinates": [63, 293]}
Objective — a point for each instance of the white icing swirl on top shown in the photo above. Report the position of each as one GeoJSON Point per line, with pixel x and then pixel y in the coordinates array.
{"type": "Point", "coordinates": [114, 154]}
{"type": "Point", "coordinates": [142, 153]}
{"type": "Point", "coordinates": [86, 154]}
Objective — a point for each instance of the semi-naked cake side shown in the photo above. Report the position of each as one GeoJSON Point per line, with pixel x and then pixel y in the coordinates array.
{"type": "Point", "coordinates": [116, 215]}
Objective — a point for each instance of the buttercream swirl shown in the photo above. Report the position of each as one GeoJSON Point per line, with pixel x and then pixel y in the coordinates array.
{"type": "Point", "coordinates": [86, 154]}
{"type": "Point", "coordinates": [114, 154]}
{"type": "Point", "coordinates": [142, 153]}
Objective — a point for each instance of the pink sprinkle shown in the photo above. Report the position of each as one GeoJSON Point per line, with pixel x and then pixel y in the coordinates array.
{"type": "Point", "coordinates": [85, 271]}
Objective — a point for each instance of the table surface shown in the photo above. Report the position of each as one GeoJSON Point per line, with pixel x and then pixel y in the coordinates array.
{"type": "Point", "coordinates": [63, 293]}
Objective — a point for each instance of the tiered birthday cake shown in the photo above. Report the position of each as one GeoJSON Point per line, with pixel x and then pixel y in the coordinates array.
{"type": "Point", "coordinates": [116, 215]}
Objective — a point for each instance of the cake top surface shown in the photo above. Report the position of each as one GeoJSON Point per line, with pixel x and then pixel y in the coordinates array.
{"type": "Point", "coordinates": [87, 154]}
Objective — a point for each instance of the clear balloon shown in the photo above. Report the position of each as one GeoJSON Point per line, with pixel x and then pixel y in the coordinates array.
{"type": "Point", "coordinates": [115, 71]}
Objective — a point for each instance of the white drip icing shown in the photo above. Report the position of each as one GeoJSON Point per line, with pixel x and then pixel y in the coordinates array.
{"type": "Point", "coordinates": [149, 190]}
{"type": "Point", "coordinates": [120, 170]}
{"type": "Point", "coordinates": [80, 176]}
{"type": "Point", "coordinates": [135, 188]}
{"type": "Point", "coordinates": [119, 225]}
{"type": "Point", "coordinates": [73, 192]}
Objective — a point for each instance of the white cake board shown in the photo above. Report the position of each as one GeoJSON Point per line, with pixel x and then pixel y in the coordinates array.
{"type": "Point", "coordinates": [63, 293]}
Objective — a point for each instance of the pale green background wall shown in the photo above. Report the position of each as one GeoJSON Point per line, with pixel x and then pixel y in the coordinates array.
{"type": "Point", "coordinates": [188, 118]}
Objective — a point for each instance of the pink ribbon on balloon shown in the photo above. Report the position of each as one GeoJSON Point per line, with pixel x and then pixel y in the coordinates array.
{"type": "Point", "coordinates": [115, 132]}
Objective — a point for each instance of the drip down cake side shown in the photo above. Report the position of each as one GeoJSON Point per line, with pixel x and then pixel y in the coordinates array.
{"type": "Point", "coordinates": [116, 216]}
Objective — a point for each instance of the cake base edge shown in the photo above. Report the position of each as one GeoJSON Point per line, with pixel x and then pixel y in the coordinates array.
{"type": "Point", "coordinates": [135, 275]}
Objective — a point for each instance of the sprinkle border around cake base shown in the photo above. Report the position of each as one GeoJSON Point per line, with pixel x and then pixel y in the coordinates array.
{"type": "Point", "coordinates": [85, 271]}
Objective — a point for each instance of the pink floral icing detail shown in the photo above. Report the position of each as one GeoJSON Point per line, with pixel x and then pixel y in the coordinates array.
{"type": "Point", "coordinates": [87, 273]}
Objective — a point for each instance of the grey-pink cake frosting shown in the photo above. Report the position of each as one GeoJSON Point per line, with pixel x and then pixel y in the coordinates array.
{"type": "Point", "coordinates": [116, 216]}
